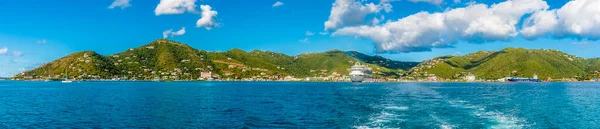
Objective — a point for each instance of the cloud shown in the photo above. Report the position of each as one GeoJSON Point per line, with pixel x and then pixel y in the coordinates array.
{"type": "Point", "coordinates": [175, 7]}
{"type": "Point", "coordinates": [376, 20]}
{"type": "Point", "coordinates": [22, 70]}
{"type": "Point", "coordinates": [434, 2]}
{"type": "Point", "coordinates": [351, 12]}
{"type": "Point", "coordinates": [539, 24]}
{"type": "Point", "coordinates": [43, 41]}
{"type": "Point", "coordinates": [277, 4]}
{"type": "Point", "coordinates": [581, 43]}
{"type": "Point", "coordinates": [577, 19]}
{"type": "Point", "coordinates": [119, 3]}
{"type": "Point", "coordinates": [207, 20]}
{"type": "Point", "coordinates": [305, 40]}
{"type": "Point", "coordinates": [324, 33]}
{"type": "Point", "coordinates": [17, 53]}
{"type": "Point", "coordinates": [476, 23]}
{"type": "Point", "coordinates": [585, 44]}
{"type": "Point", "coordinates": [171, 33]}
{"type": "Point", "coordinates": [19, 61]}
{"type": "Point", "coordinates": [308, 33]}
{"type": "Point", "coordinates": [3, 51]}
{"type": "Point", "coordinates": [181, 6]}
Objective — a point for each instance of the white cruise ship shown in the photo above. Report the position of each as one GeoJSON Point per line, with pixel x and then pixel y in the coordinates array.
{"type": "Point", "coordinates": [360, 73]}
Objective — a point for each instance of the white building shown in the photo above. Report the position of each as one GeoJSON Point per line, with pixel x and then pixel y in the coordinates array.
{"type": "Point", "coordinates": [470, 78]}
{"type": "Point", "coordinates": [205, 75]}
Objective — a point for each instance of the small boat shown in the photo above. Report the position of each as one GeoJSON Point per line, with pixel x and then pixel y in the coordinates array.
{"type": "Point", "coordinates": [158, 80]}
{"type": "Point", "coordinates": [67, 80]}
{"type": "Point", "coordinates": [534, 79]}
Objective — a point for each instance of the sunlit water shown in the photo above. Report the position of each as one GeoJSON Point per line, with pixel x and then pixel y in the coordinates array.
{"type": "Point", "coordinates": [298, 105]}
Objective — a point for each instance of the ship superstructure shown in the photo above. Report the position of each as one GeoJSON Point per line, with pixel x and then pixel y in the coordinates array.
{"type": "Point", "coordinates": [360, 73]}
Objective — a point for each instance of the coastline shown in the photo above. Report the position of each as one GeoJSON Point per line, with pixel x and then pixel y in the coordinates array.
{"type": "Point", "coordinates": [406, 81]}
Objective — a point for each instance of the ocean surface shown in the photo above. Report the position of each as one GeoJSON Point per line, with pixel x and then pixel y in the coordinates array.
{"type": "Point", "coordinates": [298, 105]}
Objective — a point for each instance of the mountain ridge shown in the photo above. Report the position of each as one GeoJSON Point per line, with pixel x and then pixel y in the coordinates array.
{"type": "Point", "coordinates": [510, 62]}
{"type": "Point", "coordinates": [166, 59]}
{"type": "Point", "coordinates": [170, 60]}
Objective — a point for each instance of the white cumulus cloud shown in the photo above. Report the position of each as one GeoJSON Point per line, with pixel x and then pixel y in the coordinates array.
{"type": "Point", "coordinates": [351, 12]}
{"type": "Point", "coordinates": [3, 51]}
{"type": "Point", "coordinates": [207, 20]}
{"type": "Point", "coordinates": [171, 33]}
{"type": "Point", "coordinates": [308, 33]}
{"type": "Point", "coordinates": [17, 53]}
{"type": "Point", "coordinates": [43, 41]}
{"type": "Point", "coordinates": [175, 7]}
{"type": "Point", "coordinates": [324, 33]}
{"type": "Point", "coordinates": [577, 18]}
{"type": "Point", "coordinates": [422, 31]}
{"type": "Point", "coordinates": [22, 70]}
{"type": "Point", "coordinates": [539, 24]}
{"type": "Point", "coordinates": [305, 40]}
{"type": "Point", "coordinates": [582, 43]}
{"type": "Point", "coordinates": [277, 4]}
{"type": "Point", "coordinates": [434, 2]}
{"type": "Point", "coordinates": [119, 3]}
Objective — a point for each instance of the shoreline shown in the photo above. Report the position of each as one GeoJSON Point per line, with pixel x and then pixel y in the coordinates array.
{"type": "Point", "coordinates": [301, 81]}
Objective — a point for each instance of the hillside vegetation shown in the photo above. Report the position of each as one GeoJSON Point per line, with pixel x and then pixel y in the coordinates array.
{"type": "Point", "coordinates": [171, 60]}
{"type": "Point", "coordinates": [509, 62]}
{"type": "Point", "coordinates": [167, 59]}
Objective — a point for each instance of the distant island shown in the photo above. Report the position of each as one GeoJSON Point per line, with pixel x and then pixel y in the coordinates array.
{"type": "Point", "coordinates": [548, 65]}
{"type": "Point", "coordinates": [169, 60]}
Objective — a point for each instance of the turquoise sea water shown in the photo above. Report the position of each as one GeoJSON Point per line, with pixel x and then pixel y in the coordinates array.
{"type": "Point", "coordinates": [298, 105]}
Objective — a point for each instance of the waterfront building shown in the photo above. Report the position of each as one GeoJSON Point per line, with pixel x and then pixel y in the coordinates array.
{"type": "Point", "coordinates": [205, 75]}
{"type": "Point", "coordinates": [432, 78]}
{"type": "Point", "coordinates": [470, 78]}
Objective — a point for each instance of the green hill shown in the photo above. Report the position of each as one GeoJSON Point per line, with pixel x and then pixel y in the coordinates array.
{"type": "Point", "coordinates": [510, 62]}
{"type": "Point", "coordinates": [84, 65]}
{"type": "Point", "coordinates": [160, 58]}
{"type": "Point", "coordinates": [593, 68]}
{"type": "Point", "coordinates": [381, 61]}
{"type": "Point", "coordinates": [171, 60]}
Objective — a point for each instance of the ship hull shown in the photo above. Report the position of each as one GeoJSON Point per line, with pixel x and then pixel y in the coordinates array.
{"type": "Point", "coordinates": [523, 80]}
{"type": "Point", "coordinates": [357, 78]}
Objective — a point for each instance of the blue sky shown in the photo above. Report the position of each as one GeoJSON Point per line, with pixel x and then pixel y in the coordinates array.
{"type": "Point", "coordinates": [33, 32]}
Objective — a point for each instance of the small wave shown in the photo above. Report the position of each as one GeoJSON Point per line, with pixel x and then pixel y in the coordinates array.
{"type": "Point", "coordinates": [504, 121]}
{"type": "Point", "coordinates": [397, 108]}
{"type": "Point", "coordinates": [457, 101]}
{"type": "Point", "coordinates": [443, 124]}
{"type": "Point", "coordinates": [499, 119]}
{"type": "Point", "coordinates": [365, 127]}
{"type": "Point", "coordinates": [357, 87]}
{"type": "Point", "coordinates": [383, 118]}
{"type": "Point", "coordinates": [462, 104]}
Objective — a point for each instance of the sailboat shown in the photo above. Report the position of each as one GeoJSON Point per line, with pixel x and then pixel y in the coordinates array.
{"type": "Point", "coordinates": [67, 80]}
